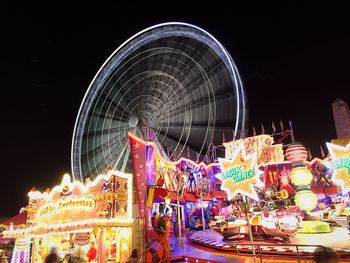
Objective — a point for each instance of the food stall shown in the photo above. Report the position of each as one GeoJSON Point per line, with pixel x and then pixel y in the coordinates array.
{"type": "Point", "coordinates": [82, 221]}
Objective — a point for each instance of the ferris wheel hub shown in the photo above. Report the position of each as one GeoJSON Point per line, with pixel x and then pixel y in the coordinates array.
{"type": "Point", "coordinates": [133, 121]}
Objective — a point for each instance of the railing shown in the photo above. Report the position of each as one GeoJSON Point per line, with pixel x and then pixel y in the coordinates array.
{"type": "Point", "coordinates": [258, 248]}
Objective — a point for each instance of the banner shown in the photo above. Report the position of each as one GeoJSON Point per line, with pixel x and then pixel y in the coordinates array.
{"type": "Point", "coordinates": [182, 184]}
{"type": "Point", "coordinates": [138, 153]}
{"type": "Point", "coordinates": [263, 145]}
{"type": "Point", "coordinates": [203, 189]}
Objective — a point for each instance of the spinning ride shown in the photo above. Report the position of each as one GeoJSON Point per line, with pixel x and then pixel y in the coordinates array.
{"type": "Point", "coordinates": [172, 83]}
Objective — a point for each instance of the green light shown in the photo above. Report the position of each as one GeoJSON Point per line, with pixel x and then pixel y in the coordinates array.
{"type": "Point", "coordinates": [238, 174]}
{"type": "Point", "coordinates": [341, 163]}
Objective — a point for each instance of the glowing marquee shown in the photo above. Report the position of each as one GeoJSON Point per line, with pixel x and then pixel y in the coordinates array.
{"type": "Point", "coordinates": [240, 174]}
{"type": "Point", "coordinates": [341, 165]}
{"type": "Point", "coordinates": [66, 204]}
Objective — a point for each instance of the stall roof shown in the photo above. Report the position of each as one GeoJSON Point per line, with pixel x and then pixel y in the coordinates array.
{"type": "Point", "coordinates": [16, 220]}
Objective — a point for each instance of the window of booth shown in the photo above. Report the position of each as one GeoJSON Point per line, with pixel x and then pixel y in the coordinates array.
{"type": "Point", "coordinates": [80, 247]}
{"type": "Point", "coordinates": [84, 247]}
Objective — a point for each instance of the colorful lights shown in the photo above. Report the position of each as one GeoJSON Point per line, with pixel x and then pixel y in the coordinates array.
{"type": "Point", "coordinates": [240, 174]}
{"type": "Point", "coordinates": [41, 230]}
{"type": "Point", "coordinates": [306, 200]}
{"type": "Point", "coordinates": [78, 207]}
{"type": "Point", "coordinates": [301, 177]}
{"type": "Point", "coordinates": [340, 164]}
{"type": "Point", "coordinates": [296, 153]}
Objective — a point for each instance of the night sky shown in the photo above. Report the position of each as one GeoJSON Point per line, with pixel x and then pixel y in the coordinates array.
{"type": "Point", "coordinates": [294, 62]}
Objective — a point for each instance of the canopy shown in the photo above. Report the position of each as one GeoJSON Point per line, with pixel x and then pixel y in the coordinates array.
{"type": "Point", "coordinates": [16, 220]}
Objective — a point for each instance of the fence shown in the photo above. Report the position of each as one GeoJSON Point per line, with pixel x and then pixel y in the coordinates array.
{"type": "Point", "coordinates": [258, 249]}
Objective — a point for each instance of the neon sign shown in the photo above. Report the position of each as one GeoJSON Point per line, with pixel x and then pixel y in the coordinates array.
{"type": "Point", "coordinates": [340, 164]}
{"type": "Point", "coordinates": [240, 174]}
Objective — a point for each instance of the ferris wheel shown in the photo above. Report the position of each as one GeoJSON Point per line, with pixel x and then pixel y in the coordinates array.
{"type": "Point", "coordinates": [173, 80]}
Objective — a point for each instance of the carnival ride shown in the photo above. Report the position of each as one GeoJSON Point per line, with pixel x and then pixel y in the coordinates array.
{"type": "Point", "coordinates": [173, 84]}
{"type": "Point", "coordinates": [239, 229]}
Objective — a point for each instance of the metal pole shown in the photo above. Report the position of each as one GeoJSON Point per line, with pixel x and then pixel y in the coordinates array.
{"type": "Point", "coordinates": [203, 220]}
{"type": "Point", "coordinates": [291, 132]}
{"type": "Point", "coordinates": [179, 218]}
{"type": "Point", "coordinates": [249, 228]}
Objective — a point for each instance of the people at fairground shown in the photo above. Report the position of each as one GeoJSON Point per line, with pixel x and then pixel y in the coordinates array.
{"type": "Point", "coordinates": [52, 257]}
{"type": "Point", "coordinates": [92, 253]}
{"type": "Point", "coordinates": [175, 223]}
{"type": "Point", "coordinates": [207, 215]}
{"type": "Point", "coordinates": [192, 220]}
{"type": "Point", "coordinates": [134, 257]}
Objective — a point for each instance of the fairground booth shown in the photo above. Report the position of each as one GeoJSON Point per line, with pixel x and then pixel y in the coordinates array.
{"type": "Point", "coordinates": [7, 244]}
{"type": "Point", "coordinates": [91, 221]}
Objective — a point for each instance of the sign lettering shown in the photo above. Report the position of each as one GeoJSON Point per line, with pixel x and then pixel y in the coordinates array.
{"type": "Point", "coordinates": [66, 204]}
{"type": "Point", "coordinates": [238, 174]}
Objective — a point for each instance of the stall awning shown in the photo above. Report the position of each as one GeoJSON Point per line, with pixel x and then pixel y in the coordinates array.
{"type": "Point", "coordinates": [219, 194]}
{"type": "Point", "coordinates": [174, 197]}
{"type": "Point", "coordinates": [16, 220]}
{"type": "Point", "coordinates": [190, 197]}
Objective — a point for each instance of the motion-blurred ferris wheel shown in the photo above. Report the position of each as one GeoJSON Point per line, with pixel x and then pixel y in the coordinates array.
{"type": "Point", "coordinates": [173, 79]}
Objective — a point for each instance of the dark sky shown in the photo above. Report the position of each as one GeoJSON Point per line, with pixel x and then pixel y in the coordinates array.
{"type": "Point", "coordinates": [294, 62]}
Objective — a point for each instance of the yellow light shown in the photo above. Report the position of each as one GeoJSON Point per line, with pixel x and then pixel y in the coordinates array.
{"type": "Point", "coordinates": [315, 227]}
{"type": "Point", "coordinates": [301, 176]}
{"type": "Point", "coordinates": [69, 203]}
{"type": "Point", "coordinates": [83, 225]}
{"type": "Point", "coordinates": [124, 233]}
{"type": "Point", "coordinates": [306, 200]}
{"type": "Point", "coordinates": [66, 179]}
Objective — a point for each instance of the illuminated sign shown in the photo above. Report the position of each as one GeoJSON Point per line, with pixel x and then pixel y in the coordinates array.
{"type": "Point", "coordinates": [267, 152]}
{"type": "Point", "coordinates": [240, 174]}
{"type": "Point", "coordinates": [82, 239]}
{"type": "Point", "coordinates": [340, 164]}
{"type": "Point", "coordinates": [66, 204]}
